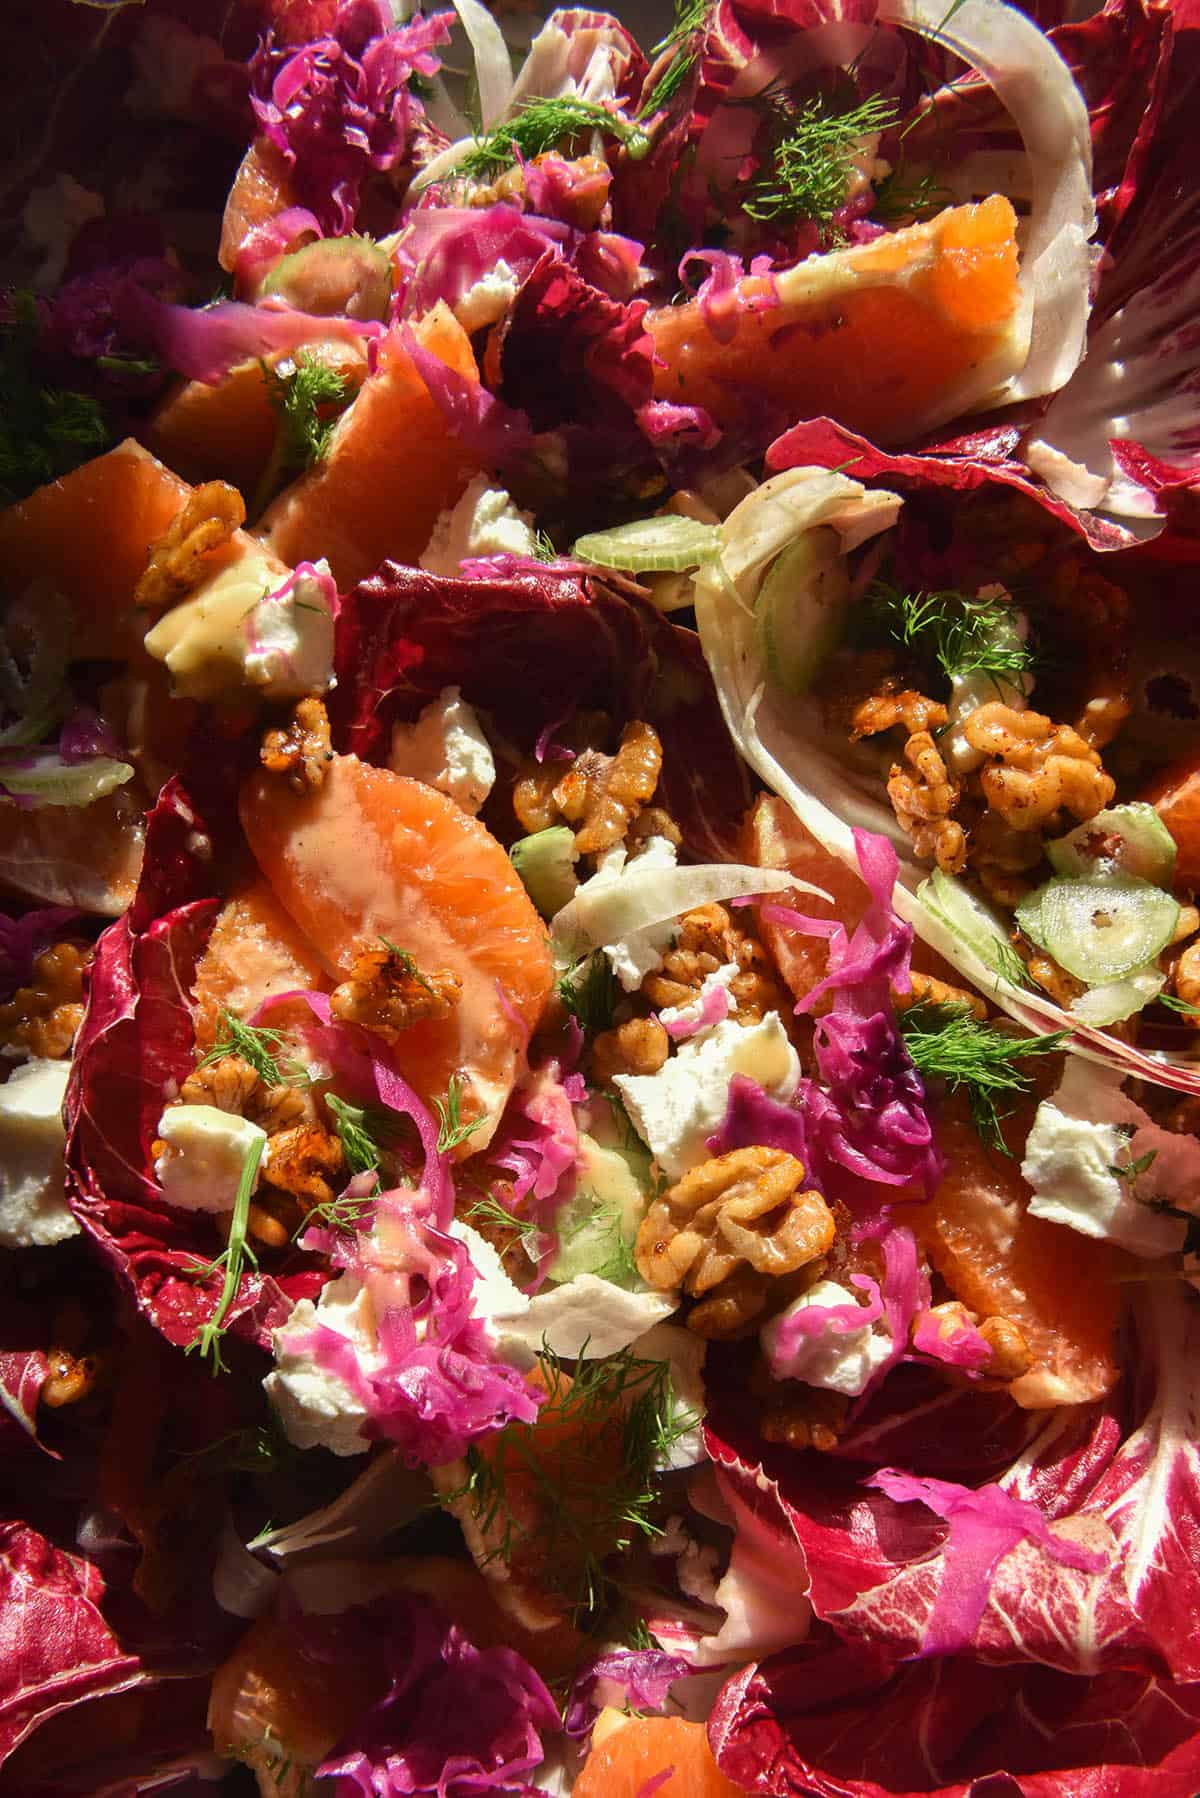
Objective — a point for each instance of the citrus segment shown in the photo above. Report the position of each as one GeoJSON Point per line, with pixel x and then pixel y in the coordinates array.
{"type": "Point", "coordinates": [262, 188]}
{"type": "Point", "coordinates": [1061, 1289]}
{"type": "Point", "coordinates": [641, 1750]}
{"type": "Point", "coordinates": [371, 857]}
{"type": "Point", "coordinates": [1175, 796]}
{"type": "Point", "coordinates": [88, 536]}
{"type": "Point", "coordinates": [391, 466]}
{"type": "Point", "coordinates": [254, 951]}
{"type": "Point", "coordinates": [887, 337]}
{"type": "Point", "coordinates": [85, 856]}
{"type": "Point", "coordinates": [774, 837]}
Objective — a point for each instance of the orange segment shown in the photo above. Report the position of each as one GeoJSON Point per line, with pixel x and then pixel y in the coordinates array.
{"type": "Point", "coordinates": [86, 856]}
{"type": "Point", "coordinates": [631, 1755]}
{"type": "Point", "coordinates": [887, 337]}
{"type": "Point", "coordinates": [391, 467]}
{"type": "Point", "coordinates": [1061, 1289]}
{"type": "Point", "coordinates": [88, 536]}
{"type": "Point", "coordinates": [774, 837]}
{"type": "Point", "coordinates": [371, 855]}
{"type": "Point", "coordinates": [227, 432]}
{"type": "Point", "coordinates": [262, 188]}
{"type": "Point", "coordinates": [254, 951]}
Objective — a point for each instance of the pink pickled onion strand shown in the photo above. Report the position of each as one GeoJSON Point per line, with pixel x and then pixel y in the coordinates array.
{"type": "Point", "coordinates": [985, 1525]}
{"type": "Point", "coordinates": [961, 1346]}
{"type": "Point", "coordinates": [268, 243]}
{"type": "Point", "coordinates": [546, 749]}
{"type": "Point", "coordinates": [656, 1782]}
{"type": "Point", "coordinates": [815, 1320]}
{"type": "Point", "coordinates": [712, 1009]}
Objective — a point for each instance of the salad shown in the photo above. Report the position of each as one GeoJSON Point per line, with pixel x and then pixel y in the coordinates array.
{"type": "Point", "coordinates": [599, 831]}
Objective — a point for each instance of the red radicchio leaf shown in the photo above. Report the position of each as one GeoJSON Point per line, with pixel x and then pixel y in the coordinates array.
{"type": "Point", "coordinates": [135, 1047]}
{"type": "Point", "coordinates": [23, 1373]}
{"type": "Point", "coordinates": [457, 1720]}
{"type": "Point", "coordinates": [571, 355]}
{"type": "Point", "coordinates": [56, 1649]}
{"type": "Point", "coordinates": [403, 635]}
{"type": "Point", "coordinates": [830, 1720]}
{"type": "Point", "coordinates": [1121, 1481]}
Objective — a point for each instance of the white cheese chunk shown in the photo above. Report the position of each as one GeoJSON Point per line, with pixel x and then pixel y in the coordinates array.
{"type": "Point", "coordinates": [693, 1013]}
{"type": "Point", "coordinates": [838, 1360]}
{"type": "Point", "coordinates": [484, 522]}
{"type": "Point", "coordinates": [205, 1155]}
{"type": "Point", "coordinates": [33, 1206]}
{"type": "Point", "coordinates": [289, 636]}
{"type": "Point", "coordinates": [446, 748]}
{"type": "Point", "coordinates": [1080, 1135]}
{"type": "Point", "coordinates": [316, 1407]}
{"type": "Point", "coordinates": [487, 299]}
{"type": "Point", "coordinates": [674, 1110]}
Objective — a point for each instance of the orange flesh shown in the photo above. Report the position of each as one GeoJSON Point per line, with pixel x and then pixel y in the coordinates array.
{"type": "Point", "coordinates": [1062, 1289]}
{"type": "Point", "coordinates": [227, 432]}
{"type": "Point", "coordinates": [1175, 796]}
{"type": "Point", "coordinates": [262, 188]}
{"type": "Point", "coordinates": [391, 469]}
{"type": "Point", "coordinates": [372, 856]}
{"type": "Point", "coordinates": [874, 353]}
{"type": "Point", "coordinates": [621, 1765]}
{"type": "Point", "coordinates": [255, 950]}
{"type": "Point", "coordinates": [88, 536]}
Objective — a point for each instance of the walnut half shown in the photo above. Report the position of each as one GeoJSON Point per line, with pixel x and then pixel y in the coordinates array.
{"type": "Point", "coordinates": [387, 993]}
{"type": "Point", "coordinates": [743, 1212]}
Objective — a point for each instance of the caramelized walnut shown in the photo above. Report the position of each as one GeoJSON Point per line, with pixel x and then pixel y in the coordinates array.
{"type": "Point", "coordinates": [639, 1046]}
{"type": "Point", "coordinates": [42, 1018]}
{"type": "Point", "coordinates": [602, 795]}
{"type": "Point", "coordinates": [743, 1210]}
{"type": "Point", "coordinates": [387, 993]}
{"type": "Point", "coordinates": [1186, 979]}
{"type": "Point", "coordinates": [923, 795]}
{"type": "Point", "coordinates": [709, 939]}
{"type": "Point", "coordinates": [927, 989]}
{"type": "Point", "coordinates": [204, 523]}
{"type": "Point", "coordinates": [802, 1416]}
{"type": "Point", "coordinates": [731, 1309]}
{"type": "Point", "coordinates": [302, 749]}
{"type": "Point", "coordinates": [302, 1160]}
{"type": "Point", "coordinates": [232, 1085]}
{"type": "Point", "coordinates": [1009, 1356]}
{"type": "Point", "coordinates": [70, 1379]}
{"type": "Point", "coordinates": [1035, 768]}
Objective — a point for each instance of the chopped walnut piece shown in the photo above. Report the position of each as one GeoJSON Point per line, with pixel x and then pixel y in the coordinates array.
{"type": "Point", "coordinates": [205, 522]}
{"type": "Point", "coordinates": [653, 822]}
{"type": "Point", "coordinates": [1011, 1354]}
{"type": "Point", "coordinates": [42, 1018]}
{"type": "Point", "coordinates": [302, 750]}
{"type": "Point", "coordinates": [1187, 975]}
{"type": "Point", "coordinates": [746, 1210]}
{"type": "Point", "coordinates": [927, 989]}
{"type": "Point", "coordinates": [802, 1416]}
{"type": "Point", "coordinates": [1046, 973]}
{"type": "Point", "coordinates": [886, 709]}
{"type": "Point", "coordinates": [709, 939]}
{"type": "Point", "coordinates": [639, 1046]}
{"type": "Point", "coordinates": [1035, 768]}
{"type": "Point", "coordinates": [727, 1312]}
{"type": "Point", "coordinates": [71, 1378]}
{"type": "Point", "coordinates": [602, 795]}
{"type": "Point", "coordinates": [232, 1085]}
{"type": "Point", "coordinates": [923, 794]}
{"type": "Point", "coordinates": [302, 1160]}
{"type": "Point", "coordinates": [387, 993]}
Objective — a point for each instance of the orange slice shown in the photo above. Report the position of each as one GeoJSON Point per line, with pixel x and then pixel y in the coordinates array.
{"type": "Point", "coordinates": [88, 536]}
{"type": "Point", "coordinates": [390, 469]}
{"type": "Point", "coordinates": [774, 837]}
{"type": "Point", "coordinates": [370, 856]}
{"type": "Point", "coordinates": [262, 188]}
{"type": "Point", "coordinates": [226, 432]}
{"type": "Point", "coordinates": [254, 951]}
{"type": "Point", "coordinates": [85, 856]}
{"type": "Point", "coordinates": [630, 1756]}
{"type": "Point", "coordinates": [888, 337]}
{"type": "Point", "coordinates": [1061, 1289]}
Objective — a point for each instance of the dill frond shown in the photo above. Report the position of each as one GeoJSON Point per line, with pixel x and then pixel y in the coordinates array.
{"type": "Point", "coordinates": [965, 636]}
{"type": "Point", "coordinates": [526, 1230]}
{"type": "Point", "coordinates": [544, 125]}
{"type": "Point", "coordinates": [902, 197]}
{"type": "Point", "coordinates": [948, 1043]}
{"type": "Point", "coordinates": [309, 399]}
{"type": "Point", "coordinates": [361, 1150]}
{"type": "Point", "coordinates": [44, 431]}
{"type": "Point", "coordinates": [452, 1131]}
{"type": "Point", "coordinates": [255, 1044]}
{"type": "Point", "coordinates": [809, 172]}
{"type": "Point", "coordinates": [589, 992]}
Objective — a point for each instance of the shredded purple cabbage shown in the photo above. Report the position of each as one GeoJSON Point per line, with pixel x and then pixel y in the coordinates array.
{"type": "Point", "coordinates": [341, 105]}
{"type": "Point", "coordinates": [640, 1678]}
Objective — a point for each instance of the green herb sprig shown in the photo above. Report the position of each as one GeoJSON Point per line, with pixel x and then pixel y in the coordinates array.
{"type": "Point", "coordinates": [948, 1043]}
{"type": "Point", "coordinates": [452, 1131]}
{"type": "Point", "coordinates": [544, 125]}
{"type": "Point", "coordinates": [964, 635]}
{"type": "Point", "coordinates": [589, 991]}
{"type": "Point", "coordinates": [45, 431]}
{"type": "Point", "coordinates": [809, 171]}
{"type": "Point", "coordinates": [258, 1046]}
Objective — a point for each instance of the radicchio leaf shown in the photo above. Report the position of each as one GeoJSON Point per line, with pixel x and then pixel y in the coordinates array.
{"type": "Point", "coordinates": [404, 635]}
{"type": "Point", "coordinates": [134, 1048]}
